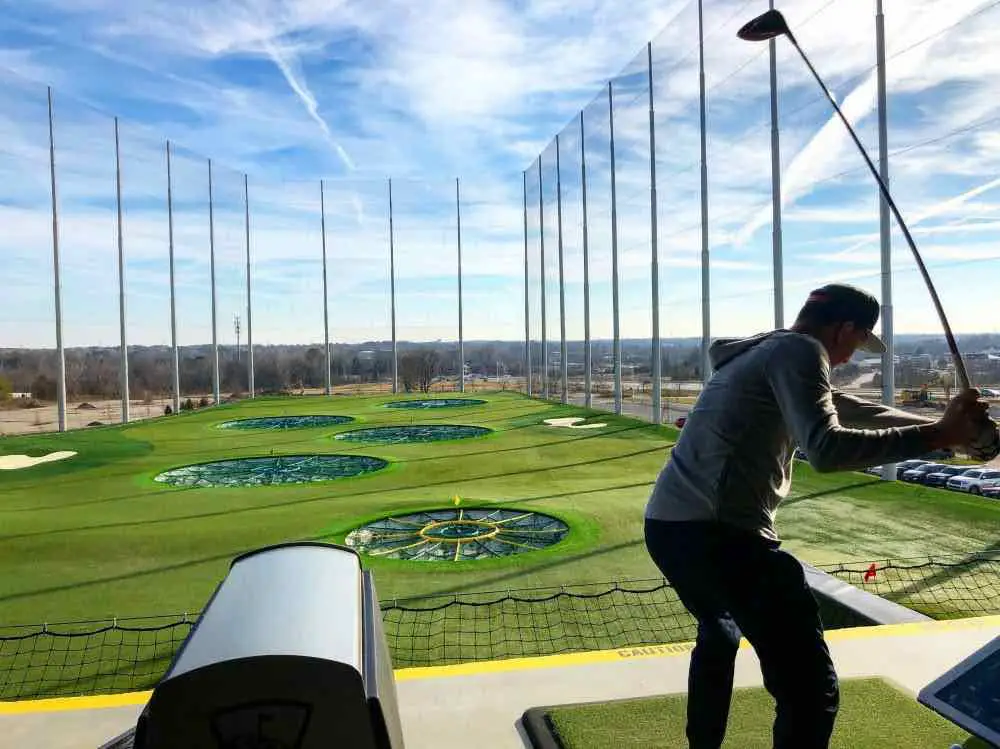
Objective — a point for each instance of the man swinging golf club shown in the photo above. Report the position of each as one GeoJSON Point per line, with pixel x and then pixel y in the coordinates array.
{"type": "Point", "coordinates": [709, 523]}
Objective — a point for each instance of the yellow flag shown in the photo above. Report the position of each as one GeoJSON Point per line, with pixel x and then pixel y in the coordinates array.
{"type": "Point", "coordinates": [457, 500]}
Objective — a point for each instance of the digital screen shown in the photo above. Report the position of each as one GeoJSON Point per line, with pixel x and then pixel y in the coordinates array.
{"type": "Point", "coordinates": [976, 692]}
{"type": "Point", "coordinates": [262, 726]}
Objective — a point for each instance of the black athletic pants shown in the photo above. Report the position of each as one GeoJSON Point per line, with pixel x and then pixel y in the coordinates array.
{"type": "Point", "coordinates": [734, 583]}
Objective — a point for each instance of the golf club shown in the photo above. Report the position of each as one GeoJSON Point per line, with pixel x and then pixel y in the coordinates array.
{"type": "Point", "coordinates": [772, 24]}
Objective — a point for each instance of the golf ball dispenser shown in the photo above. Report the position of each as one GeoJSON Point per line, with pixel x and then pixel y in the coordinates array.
{"type": "Point", "coordinates": [288, 654]}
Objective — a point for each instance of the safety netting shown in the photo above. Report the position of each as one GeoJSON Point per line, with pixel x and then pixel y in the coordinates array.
{"type": "Point", "coordinates": [638, 616]}
{"type": "Point", "coordinates": [271, 470]}
{"type": "Point", "coordinates": [79, 658]}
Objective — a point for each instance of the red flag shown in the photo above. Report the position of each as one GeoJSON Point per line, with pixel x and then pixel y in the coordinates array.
{"type": "Point", "coordinates": [870, 574]}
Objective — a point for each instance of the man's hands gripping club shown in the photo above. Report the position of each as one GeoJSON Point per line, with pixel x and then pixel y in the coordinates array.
{"type": "Point", "coordinates": [966, 424]}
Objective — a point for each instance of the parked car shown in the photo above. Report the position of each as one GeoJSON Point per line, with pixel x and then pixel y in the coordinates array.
{"type": "Point", "coordinates": [940, 477]}
{"type": "Point", "coordinates": [991, 490]}
{"type": "Point", "coordinates": [989, 487]}
{"type": "Point", "coordinates": [972, 480]}
{"type": "Point", "coordinates": [904, 466]}
{"type": "Point", "coordinates": [918, 474]}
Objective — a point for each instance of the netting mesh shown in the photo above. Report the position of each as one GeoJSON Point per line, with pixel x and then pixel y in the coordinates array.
{"type": "Point", "coordinates": [286, 422]}
{"type": "Point", "coordinates": [436, 403]}
{"type": "Point", "coordinates": [88, 657]}
{"type": "Point", "coordinates": [413, 433]}
{"type": "Point", "coordinates": [108, 657]}
{"type": "Point", "coordinates": [490, 626]}
{"type": "Point", "coordinates": [278, 469]}
{"type": "Point", "coordinates": [943, 587]}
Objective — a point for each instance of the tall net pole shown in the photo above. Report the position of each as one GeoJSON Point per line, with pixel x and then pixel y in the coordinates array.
{"type": "Point", "coordinates": [563, 363]}
{"type": "Point", "coordinates": [60, 350]}
{"type": "Point", "coordinates": [657, 354]}
{"type": "Point", "coordinates": [615, 317]}
{"type": "Point", "coordinates": [246, 207]}
{"type": "Point", "coordinates": [587, 358]}
{"type": "Point", "coordinates": [173, 289]}
{"type": "Point", "coordinates": [541, 240]}
{"type": "Point", "coordinates": [885, 233]}
{"type": "Point", "coordinates": [326, 310]}
{"type": "Point", "coordinates": [706, 315]}
{"type": "Point", "coordinates": [392, 294]}
{"type": "Point", "coordinates": [776, 249]}
{"type": "Point", "coordinates": [216, 386]}
{"type": "Point", "coordinates": [123, 363]}
{"type": "Point", "coordinates": [527, 313]}
{"type": "Point", "coordinates": [461, 339]}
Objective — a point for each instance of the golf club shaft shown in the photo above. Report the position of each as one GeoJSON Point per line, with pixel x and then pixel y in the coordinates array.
{"type": "Point", "coordinates": [963, 375]}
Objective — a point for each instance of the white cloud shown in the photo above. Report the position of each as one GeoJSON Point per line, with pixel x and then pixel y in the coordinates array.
{"type": "Point", "coordinates": [476, 90]}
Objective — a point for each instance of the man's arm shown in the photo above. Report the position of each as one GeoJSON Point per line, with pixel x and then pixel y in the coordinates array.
{"type": "Point", "coordinates": [858, 413]}
{"type": "Point", "coordinates": [799, 374]}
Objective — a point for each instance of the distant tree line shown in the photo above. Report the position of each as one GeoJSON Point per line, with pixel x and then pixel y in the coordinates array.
{"type": "Point", "coordinates": [94, 372]}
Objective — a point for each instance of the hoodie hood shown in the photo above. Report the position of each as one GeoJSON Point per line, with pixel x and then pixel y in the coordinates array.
{"type": "Point", "coordinates": [724, 350]}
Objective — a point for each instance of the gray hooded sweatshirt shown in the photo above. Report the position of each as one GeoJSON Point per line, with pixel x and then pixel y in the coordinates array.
{"type": "Point", "coordinates": [768, 394]}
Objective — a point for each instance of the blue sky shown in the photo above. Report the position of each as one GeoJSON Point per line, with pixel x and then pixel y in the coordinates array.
{"type": "Point", "coordinates": [293, 91]}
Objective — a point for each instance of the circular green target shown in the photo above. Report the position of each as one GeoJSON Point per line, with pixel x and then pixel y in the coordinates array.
{"type": "Point", "coordinates": [272, 470]}
{"type": "Point", "coordinates": [286, 422]}
{"type": "Point", "coordinates": [436, 403]}
{"type": "Point", "coordinates": [455, 535]}
{"type": "Point", "coordinates": [413, 433]}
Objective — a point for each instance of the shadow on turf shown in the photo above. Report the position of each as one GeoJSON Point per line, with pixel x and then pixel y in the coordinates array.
{"type": "Point", "coordinates": [536, 569]}
{"type": "Point", "coordinates": [227, 556]}
{"type": "Point", "coordinates": [340, 497]}
{"type": "Point", "coordinates": [348, 449]}
{"type": "Point", "coordinates": [826, 492]}
{"type": "Point", "coordinates": [230, 555]}
{"type": "Point", "coordinates": [494, 414]}
{"type": "Point", "coordinates": [230, 512]}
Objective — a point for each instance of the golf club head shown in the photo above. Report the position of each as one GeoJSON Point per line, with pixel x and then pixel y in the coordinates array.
{"type": "Point", "coordinates": [764, 27]}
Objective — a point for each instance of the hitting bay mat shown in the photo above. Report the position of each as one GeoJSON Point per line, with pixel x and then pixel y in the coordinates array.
{"type": "Point", "coordinates": [873, 715]}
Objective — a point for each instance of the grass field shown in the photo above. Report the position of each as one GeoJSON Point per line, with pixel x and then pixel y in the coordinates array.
{"type": "Point", "coordinates": [95, 536]}
{"type": "Point", "coordinates": [873, 715]}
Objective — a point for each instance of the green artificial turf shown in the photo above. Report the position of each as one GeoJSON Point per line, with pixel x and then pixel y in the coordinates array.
{"type": "Point", "coordinates": [95, 536]}
{"type": "Point", "coordinates": [873, 715]}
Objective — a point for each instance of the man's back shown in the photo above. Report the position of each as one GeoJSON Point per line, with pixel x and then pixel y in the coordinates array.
{"type": "Point", "coordinates": [734, 457]}
{"type": "Point", "coordinates": [733, 462]}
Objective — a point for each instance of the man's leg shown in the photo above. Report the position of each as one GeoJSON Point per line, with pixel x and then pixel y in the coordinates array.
{"type": "Point", "coordinates": [778, 614]}
{"type": "Point", "coordinates": [685, 554]}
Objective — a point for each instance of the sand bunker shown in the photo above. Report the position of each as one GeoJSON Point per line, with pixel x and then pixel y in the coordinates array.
{"type": "Point", "coordinates": [14, 462]}
{"type": "Point", "coordinates": [572, 423]}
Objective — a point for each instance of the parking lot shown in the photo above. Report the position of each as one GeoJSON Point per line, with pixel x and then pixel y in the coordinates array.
{"type": "Point", "coordinates": [972, 479]}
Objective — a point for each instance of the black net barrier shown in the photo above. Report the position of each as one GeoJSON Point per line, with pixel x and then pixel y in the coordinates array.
{"type": "Point", "coordinates": [81, 658]}
{"type": "Point", "coordinates": [947, 586]}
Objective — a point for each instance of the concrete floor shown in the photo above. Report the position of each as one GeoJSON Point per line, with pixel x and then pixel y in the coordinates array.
{"type": "Point", "coordinates": [442, 707]}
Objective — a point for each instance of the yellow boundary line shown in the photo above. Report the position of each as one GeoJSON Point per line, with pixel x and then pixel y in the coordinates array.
{"type": "Point", "coordinates": [131, 699]}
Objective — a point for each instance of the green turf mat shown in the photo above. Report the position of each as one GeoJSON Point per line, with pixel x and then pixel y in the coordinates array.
{"type": "Point", "coordinates": [97, 537]}
{"type": "Point", "coordinates": [874, 715]}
